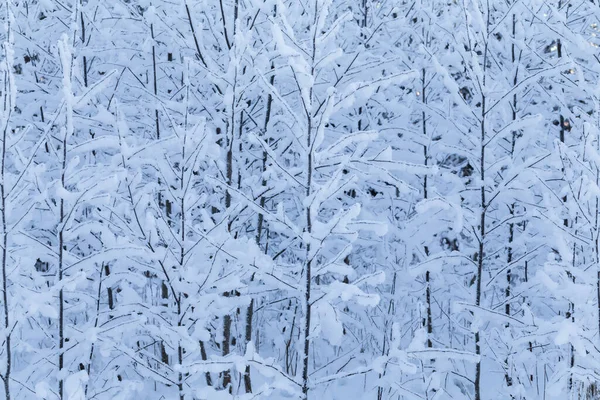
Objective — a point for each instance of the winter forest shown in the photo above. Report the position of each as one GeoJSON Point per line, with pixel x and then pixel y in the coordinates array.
{"type": "Point", "coordinates": [300, 199]}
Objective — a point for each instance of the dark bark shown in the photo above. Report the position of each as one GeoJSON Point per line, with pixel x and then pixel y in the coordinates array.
{"type": "Point", "coordinates": [482, 221]}
{"type": "Point", "coordinates": [6, 376]}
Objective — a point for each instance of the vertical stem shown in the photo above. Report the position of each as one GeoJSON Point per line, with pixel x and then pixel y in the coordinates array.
{"type": "Point", "coordinates": [229, 176]}
{"type": "Point", "coordinates": [182, 238]}
{"type": "Point", "coordinates": [507, 292]}
{"type": "Point", "coordinates": [109, 291]}
{"type": "Point", "coordinates": [85, 69]}
{"type": "Point", "coordinates": [596, 241]}
{"type": "Point", "coordinates": [181, 265]}
{"type": "Point", "coordinates": [225, 348]}
{"type": "Point", "coordinates": [425, 194]}
{"type": "Point", "coordinates": [155, 80]}
{"type": "Point", "coordinates": [365, 13]}
{"type": "Point", "coordinates": [164, 295]}
{"type": "Point", "coordinates": [511, 226]}
{"type": "Point", "coordinates": [482, 217]}
{"type": "Point", "coordinates": [309, 176]}
{"type": "Point", "coordinates": [61, 245]}
{"type": "Point", "coordinates": [8, 106]}
{"type": "Point", "coordinates": [68, 132]}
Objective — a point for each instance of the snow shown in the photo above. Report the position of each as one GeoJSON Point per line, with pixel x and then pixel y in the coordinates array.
{"type": "Point", "coordinates": [369, 187]}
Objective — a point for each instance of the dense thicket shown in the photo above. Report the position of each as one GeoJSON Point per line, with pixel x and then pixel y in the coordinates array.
{"type": "Point", "coordinates": [320, 199]}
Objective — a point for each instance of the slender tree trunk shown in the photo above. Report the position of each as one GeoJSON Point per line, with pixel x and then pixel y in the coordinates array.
{"type": "Point", "coordinates": [307, 293]}
{"type": "Point", "coordinates": [365, 13]}
{"type": "Point", "coordinates": [225, 345]}
{"type": "Point", "coordinates": [309, 178]}
{"type": "Point", "coordinates": [155, 81]}
{"type": "Point", "coordinates": [507, 292]}
{"type": "Point", "coordinates": [64, 49]}
{"type": "Point", "coordinates": [109, 291]}
{"type": "Point", "coordinates": [308, 271]}
{"type": "Point", "coordinates": [597, 238]}
{"type": "Point", "coordinates": [8, 348]}
{"type": "Point", "coordinates": [181, 266]}
{"type": "Point", "coordinates": [85, 66]}
{"type": "Point", "coordinates": [164, 357]}
{"type": "Point", "coordinates": [7, 111]}
{"type": "Point", "coordinates": [183, 179]}
{"type": "Point", "coordinates": [164, 295]}
{"type": "Point", "coordinates": [225, 348]}
{"type": "Point", "coordinates": [511, 226]}
{"type": "Point", "coordinates": [482, 220]}
{"type": "Point", "coordinates": [61, 248]}
{"type": "Point", "coordinates": [425, 194]}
